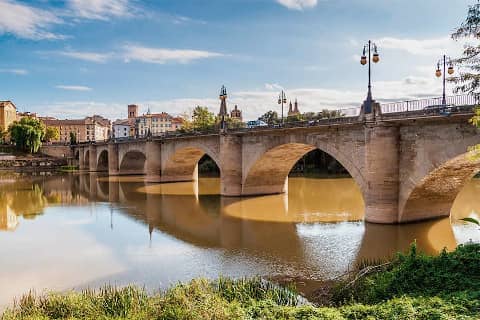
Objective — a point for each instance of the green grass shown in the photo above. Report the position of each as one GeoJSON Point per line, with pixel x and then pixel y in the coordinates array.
{"type": "Point", "coordinates": [414, 286]}
{"type": "Point", "coordinates": [68, 168]}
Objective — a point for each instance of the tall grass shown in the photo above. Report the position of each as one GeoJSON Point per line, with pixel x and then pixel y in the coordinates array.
{"type": "Point", "coordinates": [413, 286]}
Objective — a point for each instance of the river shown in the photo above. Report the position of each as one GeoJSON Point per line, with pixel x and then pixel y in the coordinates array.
{"type": "Point", "coordinates": [60, 232]}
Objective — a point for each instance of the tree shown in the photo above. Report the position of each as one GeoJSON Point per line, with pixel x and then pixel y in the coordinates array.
{"type": "Point", "coordinates": [200, 118]}
{"type": "Point", "coordinates": [51, 133]}
{"type": "Point", "coordinates": [73, 138]}
{"type": "Point", "coordinates": [468, 80]}
{"type": "Point", "coordinates": [203, 119]}
{"type": "Point", "coordinates": [27, 134]}
{"type": "Point", "coordinates": [329, 114]}
{"type": "Point", "coordinates": [295, 118]}
{"type": "Point", "coordinates": [270, 117]}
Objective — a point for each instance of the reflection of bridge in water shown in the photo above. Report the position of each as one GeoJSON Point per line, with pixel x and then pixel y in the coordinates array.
{"type": "Point", "coordinates": [201, 220]}
{"type": "Point", "coordinates": [196, 215]}
{"type": "Point", "coordinates": [409, 163]}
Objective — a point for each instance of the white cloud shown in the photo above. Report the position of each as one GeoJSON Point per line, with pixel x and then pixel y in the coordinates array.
{"type": "Point", "coordinates": [425, 47]}
{"type": "Point", "coordinates": [255, 103]}
{"type": "Point", "coordinates": [273, 86]}
{"type": "Point", "coordinates": [73, 88]}
{"type": "Point", "coordinates": [27, 22]}
{"type": "Point", "coordinates": [20, 72]}
{"type": "Point", "coordinates": [163, 55]}
{"type": "Point", "coordinates": [100, 9]}
{"type": "Point", "coordinates": [86, 56]}
{"type": "Point", "coordinates": [298, 4]}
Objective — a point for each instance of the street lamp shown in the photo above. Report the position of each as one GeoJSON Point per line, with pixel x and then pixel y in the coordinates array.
{"type": "Point", "coordinates": [363, 61]}
{"type": "Point", "coordinates": [445, 60]}
{"type": "Point", "coordinates": [282, 99]}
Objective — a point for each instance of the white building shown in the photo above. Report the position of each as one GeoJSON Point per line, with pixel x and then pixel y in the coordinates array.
{"type": "Point", "coordinates": [121, 128]}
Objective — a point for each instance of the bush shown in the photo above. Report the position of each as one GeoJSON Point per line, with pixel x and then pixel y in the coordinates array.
{"type": "Point", "coordinates": [416, 274]}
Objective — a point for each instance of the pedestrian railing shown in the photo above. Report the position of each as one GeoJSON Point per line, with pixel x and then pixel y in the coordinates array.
{"type": "Point", "coordinates": [430, 103]}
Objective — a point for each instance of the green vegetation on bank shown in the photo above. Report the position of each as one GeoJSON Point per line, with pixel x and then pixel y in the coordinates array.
{"type": "Point", "coordinates": [68, 168]}
{"type": "Point", "coordinates": [413, 286]}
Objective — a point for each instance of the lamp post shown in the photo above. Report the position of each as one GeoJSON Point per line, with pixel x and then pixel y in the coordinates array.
{"type": "Point", "coordinates": [445, 60]}
{"type": "Point", "coordinates": [363, 61]}
{"type": "Point", "coordinates": [282, 99]}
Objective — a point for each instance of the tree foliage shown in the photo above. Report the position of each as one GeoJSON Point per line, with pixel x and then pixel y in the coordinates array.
{"type": "Point", "coordinates": [73, 138]}
{"type": "Point", "coordinates": [468, 80]}
{"type": "Point", "coordinates": [270, 117]}
{"type": "Point", "coordinates": [200, 119]}
{"type": "Point", "coordinates": [51, 133]}
{"type": "Point", "coordinates": [27, 134]}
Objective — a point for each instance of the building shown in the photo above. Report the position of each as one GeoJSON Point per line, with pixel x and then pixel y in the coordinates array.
{"type": "Point", "coordinates": [293, 110]}
{"type": "Point", "coordinates": [154, 124]}
{"type": "Point", "coordinates": [94, 128]}
{"type": "Point", "coordinates": [27, 114]}
{"type": "Point", "coordinates": [122, 128]}
{"type": "Point", "coordinates": [177, 123]}
{"type": "Point", "coordinates": [8, 114]}
{"type": "Point", "coordinates": [236, 114]}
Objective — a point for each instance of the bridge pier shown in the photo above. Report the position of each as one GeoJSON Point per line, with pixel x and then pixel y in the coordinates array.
{"type": "Point", "coordinates": [382, 165]}
{"type": "Point", "coordinates": [153, 161]}
{"type": "Point", "coordinates": [231, 165]}
{"type": "Point", "coordinates": [113, 169]}
{"type": "Point", "coordinates": [81, 159]}
{"type": "Point", "coordinates": [92, 162]}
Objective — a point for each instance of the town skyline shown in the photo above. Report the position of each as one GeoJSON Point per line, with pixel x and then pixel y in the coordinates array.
{"type": "Point", "coordinates": [77, 58]}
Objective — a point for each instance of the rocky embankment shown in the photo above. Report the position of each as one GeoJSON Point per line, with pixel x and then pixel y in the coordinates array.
{"type": "Point", "coordinates": [30, 162]}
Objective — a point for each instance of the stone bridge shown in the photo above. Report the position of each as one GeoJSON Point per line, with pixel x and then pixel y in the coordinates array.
{"type": "Point", "coordinates": [409, 167]}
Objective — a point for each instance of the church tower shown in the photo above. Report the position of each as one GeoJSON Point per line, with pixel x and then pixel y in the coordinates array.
{"type": "Point", "coordinates": [295, 109]}
{"type": "Point", "coordinates": [236, 114]}
{"type": "Point", "coordinates": [223, 114]}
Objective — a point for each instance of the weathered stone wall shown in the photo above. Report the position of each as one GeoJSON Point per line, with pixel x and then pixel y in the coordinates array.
{"type": "Point", "coordinates": [56, 151]}
{"type": "Point", "coordinates": [180, 156]}
{"type": "Point", "coordinates": [434, 166]}
{"type": "Point", "coordinates": [268, 158]}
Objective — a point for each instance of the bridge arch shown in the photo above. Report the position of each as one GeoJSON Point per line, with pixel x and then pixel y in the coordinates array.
{"type": "Point", "coordinates": [182, 163]}
{"type": "Point", "coordinates": [102, 161]}
{"type": "Point", "coordinates": [434, 195]}
{"type": "Point", "coordinates": [133, 162]}
{"type": "Point", "coordinates": [268, 173]}
{"type": "Point", "coordinates": [433, 171]}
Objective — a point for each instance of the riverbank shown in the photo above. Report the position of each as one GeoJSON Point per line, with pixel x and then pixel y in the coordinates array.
{"type": "Point", "coordinates": [413, 286]}
{"type": "Point", "coordinates": [30, 162]}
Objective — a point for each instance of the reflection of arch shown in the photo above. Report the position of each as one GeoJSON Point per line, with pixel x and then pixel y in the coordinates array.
{"type": "Point", "coordinates": [102, 163]}
{"type": "Point", "coordinates": [86, 160]}
{"type": "Point", "coordinates": [269, 172]}
{"type": "Point", "coordinates": [133, 162]}
{"type": "Point", "coordinates": [183, 164]}
{"type": "Point", "coordinates": [434, 195]}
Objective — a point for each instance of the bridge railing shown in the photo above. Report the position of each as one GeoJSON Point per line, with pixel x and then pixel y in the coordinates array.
{"type": "Point", "coordinates": [430, 103]}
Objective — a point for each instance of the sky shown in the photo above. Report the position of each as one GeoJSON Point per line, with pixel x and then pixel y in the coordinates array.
{"type": "Point", "coordinates": [74, 58]}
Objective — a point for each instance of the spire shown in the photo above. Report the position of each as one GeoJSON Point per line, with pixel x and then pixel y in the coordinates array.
{"type": "Point", "coordinates": [223, 103]}
{"type": "Point", "coordinates": [290, 109]}
{"type": "Point", "coordinates": [296, 107]}
{"type": "Point", "coordinates": [148, 111]}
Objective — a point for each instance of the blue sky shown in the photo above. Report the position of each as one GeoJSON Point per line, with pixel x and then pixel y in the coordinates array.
{"type": "Point", "coordinates": [74, 58]}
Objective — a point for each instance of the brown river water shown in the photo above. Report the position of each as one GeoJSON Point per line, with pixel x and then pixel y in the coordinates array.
{"type": "Point", "coordinates": [71, 231]}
